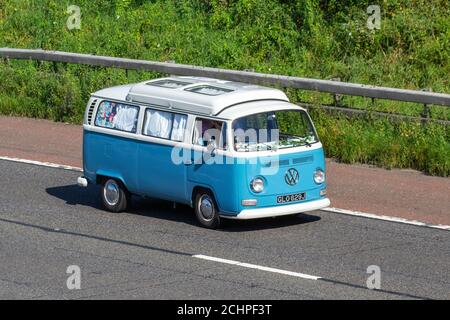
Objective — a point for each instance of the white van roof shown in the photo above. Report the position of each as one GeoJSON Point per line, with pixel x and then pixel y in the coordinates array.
{"type": "Point", "coordinates": [193, 94]}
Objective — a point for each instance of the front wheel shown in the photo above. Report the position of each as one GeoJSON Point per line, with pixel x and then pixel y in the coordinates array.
{"type": "Point", "coordinates": [206, 210]}
{"type": "Point", "coordinates": [114, 196]}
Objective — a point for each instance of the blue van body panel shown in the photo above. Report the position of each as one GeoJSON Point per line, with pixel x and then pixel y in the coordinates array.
{"type": "Point", "coordinates": [111, 156]}
{"type": "Point", "coordinates": [273, 170]}
{"type": "Point", "coordinates": [147, 169]}
{"type": "Point", "coordinates": [158, 176]}
{"type": "Point", "coordinates": [221, 179]}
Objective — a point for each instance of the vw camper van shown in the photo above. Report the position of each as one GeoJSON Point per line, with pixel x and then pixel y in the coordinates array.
{"type": "Point", "coordinates": [227, 149]}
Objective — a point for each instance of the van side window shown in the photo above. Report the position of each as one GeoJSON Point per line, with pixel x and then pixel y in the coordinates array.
{"type": "Point", "coordinates": [166, 125]}
{"type": "Point", "coordinates": [117, 116]}
{"type": "Point", "coordinates": [179, 127]}
{"type": "Point", "coordinates": [208, 131]}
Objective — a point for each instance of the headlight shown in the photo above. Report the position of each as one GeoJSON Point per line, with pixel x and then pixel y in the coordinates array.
{"type": "Point", "coordinates": [319, 176]}
{"type": "Point", "coordinates": [257, 185]}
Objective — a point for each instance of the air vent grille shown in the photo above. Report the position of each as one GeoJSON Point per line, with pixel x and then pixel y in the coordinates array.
{"type": "Point", "coordinates": [303, 160]}
{"type": "Point", "coordinates": [90, 114]}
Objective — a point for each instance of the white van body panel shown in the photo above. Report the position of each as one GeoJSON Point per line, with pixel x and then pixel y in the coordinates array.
{"type": "Point", "coordinates": [183, 99]}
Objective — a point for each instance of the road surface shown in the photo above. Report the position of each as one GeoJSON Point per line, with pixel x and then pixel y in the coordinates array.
{"type": "Point", "coordinates": [152, 251]}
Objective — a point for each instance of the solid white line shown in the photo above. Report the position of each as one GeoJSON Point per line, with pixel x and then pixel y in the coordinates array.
{"type": "Point", "coordinates": [254, 266]}
{"type": "Point", "coordinates": [386, 218]}
{"type": "Point", "coordinates": [329, 209]}
{"type": "Point", "coordinates": [42, 164]}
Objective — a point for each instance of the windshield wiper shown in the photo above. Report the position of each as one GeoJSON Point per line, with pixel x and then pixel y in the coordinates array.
{"type": "Point", "coordinates": [304, 142]}
{"type": "Point", "coordinates": [266, 144]}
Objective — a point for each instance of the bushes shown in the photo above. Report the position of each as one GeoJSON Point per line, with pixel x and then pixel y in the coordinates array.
{"type": "Point", "coordinates": [308, 38]}
{"type": "Point", "coordinates": [387, 144]}
{"type": "Point", "coordinates": [39, 94]}
{"type": "Point", "coordinates": [57, 92]}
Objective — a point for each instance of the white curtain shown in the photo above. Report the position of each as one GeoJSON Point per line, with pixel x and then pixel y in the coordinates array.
{"type": "Point", "coordinates": [125, 118]}
{"type": "Point", "coordinates": [198, 139]}
{"type": "Point", "coordinates": [158, 124]}
{"type": "Point", "coordinates": [179, 125]}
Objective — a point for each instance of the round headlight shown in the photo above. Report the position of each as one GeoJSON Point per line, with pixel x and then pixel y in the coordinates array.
{"type": "Point", "coordinates": [257, 185]}
{"type": "Point", "coordinates": [319, 176]}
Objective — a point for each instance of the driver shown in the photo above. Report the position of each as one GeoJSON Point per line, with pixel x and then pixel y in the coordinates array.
{"type": "Point", "coordinates": [211, 131]}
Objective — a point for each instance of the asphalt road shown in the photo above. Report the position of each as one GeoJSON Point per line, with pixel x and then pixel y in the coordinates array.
{"type": "Point", "coordinates": [48, 223]}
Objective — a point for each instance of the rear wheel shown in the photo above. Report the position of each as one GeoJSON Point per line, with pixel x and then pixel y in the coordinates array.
{"type": "Point", "coordinates": [114, 196]}
{"type": "Point", "coordinates": [206, 210]}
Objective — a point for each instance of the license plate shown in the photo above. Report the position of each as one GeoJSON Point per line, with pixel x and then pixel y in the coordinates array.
{"type": "Point", "coordinates": [291, 197]}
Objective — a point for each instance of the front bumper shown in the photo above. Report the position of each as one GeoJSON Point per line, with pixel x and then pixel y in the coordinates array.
{"type": "Point", "coordinates": [283, 210]}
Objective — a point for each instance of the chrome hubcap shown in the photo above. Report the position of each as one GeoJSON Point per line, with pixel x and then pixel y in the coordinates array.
{"type": "Point", "coordinates": [206, 207]}
{"type": "Point", "coordinates": [111, 192]}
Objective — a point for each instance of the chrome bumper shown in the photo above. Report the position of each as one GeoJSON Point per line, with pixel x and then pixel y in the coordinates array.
{"type": "Point", "coordinates": [283, 210]}
{"type": "Point", "coordinates": [82, 182]}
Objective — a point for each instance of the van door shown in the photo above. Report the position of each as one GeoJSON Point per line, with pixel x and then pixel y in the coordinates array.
{"type": "Point", "coordinates": [158, 175]}
{"type": "Point", "coordinates": [209, 139]}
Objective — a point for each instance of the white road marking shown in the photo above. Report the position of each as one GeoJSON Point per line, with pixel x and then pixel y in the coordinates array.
{"type": "Point", "coordinates": [329, 209]}
{"type": "Point", "coordinates": [254, 266]}
{"type": "Point", "coordinates": [386, 218]}
{"type": "Point", "coordinates": [43, 164]}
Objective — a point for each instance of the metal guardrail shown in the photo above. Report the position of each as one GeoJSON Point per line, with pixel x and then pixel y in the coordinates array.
{"type": "Point", "coordinates": [329, 86]}
{"type": "Point", "coordinates": [354, 112]}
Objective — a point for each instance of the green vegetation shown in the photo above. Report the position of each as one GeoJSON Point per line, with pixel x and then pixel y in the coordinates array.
{"type": "Point", "coordinates": [308, 38]}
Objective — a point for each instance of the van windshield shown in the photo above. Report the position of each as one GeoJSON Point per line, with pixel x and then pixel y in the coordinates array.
{"type": "Point", "coordinates": [273, 130]}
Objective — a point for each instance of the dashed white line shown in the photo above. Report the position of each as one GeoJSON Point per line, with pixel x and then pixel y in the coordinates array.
{"type": "Point", "coordinates": [255, 266]}
{"type": "Point", "coordinates": [329, 209]}
{"type": "Point", "coordinates": [42, 164]}
{"type": "Point", "coordinates": [386, 218]}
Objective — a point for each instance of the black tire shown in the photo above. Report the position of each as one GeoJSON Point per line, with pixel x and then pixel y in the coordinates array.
{"type": "Point", "coordinates": [115, 197]}
{"type": "Point", "coordinates": [206, 210]}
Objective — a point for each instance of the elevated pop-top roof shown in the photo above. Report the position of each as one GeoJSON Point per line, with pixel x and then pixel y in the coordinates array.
{"type": "Point", "coordinates": [200, 95]}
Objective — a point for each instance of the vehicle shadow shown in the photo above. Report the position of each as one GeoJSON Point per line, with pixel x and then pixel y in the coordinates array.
{"type": "Point", "coordinates": [182, 213]}
{"type": "Point", "coordinates": [75, 195]}
{"type": "Point", "coordinates": [230, 225]}
{"type": "Point", "coordinates": [165, 210]}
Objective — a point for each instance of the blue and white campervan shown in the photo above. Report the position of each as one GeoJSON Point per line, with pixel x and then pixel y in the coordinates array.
{"type": "Point", "coordinates": [228, 149]}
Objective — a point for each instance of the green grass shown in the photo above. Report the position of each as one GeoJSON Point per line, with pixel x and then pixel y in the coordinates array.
{"type": "Point", "coordinates": [390, 145]}
{"type": "Point", "coordinates": [307, 38]}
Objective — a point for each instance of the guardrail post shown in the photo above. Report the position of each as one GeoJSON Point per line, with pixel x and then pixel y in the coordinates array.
{"type": "Point", "coordinates": [337, 97]}
{"type": "Point", "coordinates": [38, 63]}
{"type": "Point", "coordinates": [171, 61]}
{"type": "Point", "coordinates": [426, 109]}
{"type": "Point", "coordinates": [55, 67]}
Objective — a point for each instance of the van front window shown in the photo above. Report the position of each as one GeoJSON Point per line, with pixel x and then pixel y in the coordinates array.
{"type": "Point", "coordinates": [207, 131]}
{"type": "Point", "coordinates": [273, 130]}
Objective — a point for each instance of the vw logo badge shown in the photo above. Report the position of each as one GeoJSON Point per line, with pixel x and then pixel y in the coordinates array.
{"type": "Point", "coordinates": [291, 177]}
